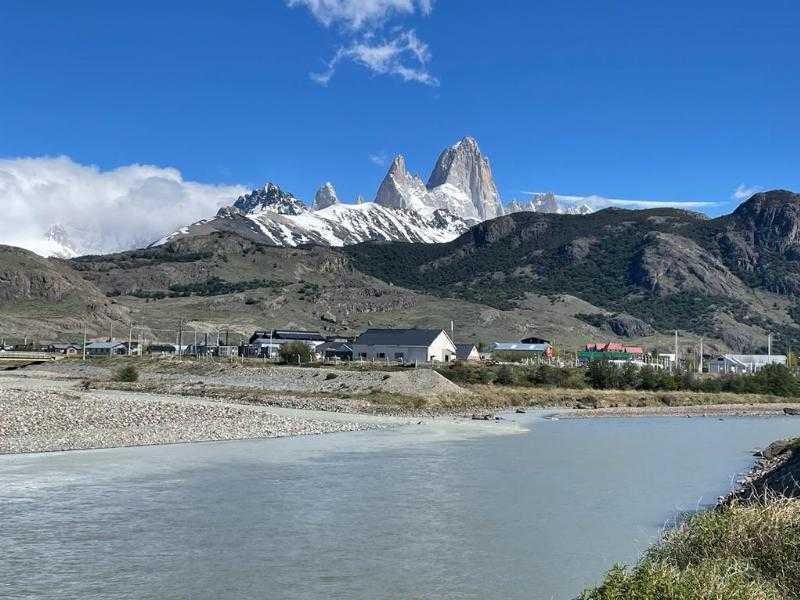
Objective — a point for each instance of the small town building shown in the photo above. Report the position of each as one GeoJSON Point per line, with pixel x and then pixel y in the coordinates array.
{"type": "Point", "coordinates": [404, 345]}
{"type": "Point", "coordinates": [268, 343]}
{"type": "Point", "coordinates": [468, 352]}
{"type": "Point", "coordinates": [538, 349]}
{"type": "Point", "coordinates": [161, 349]}
{"type": "Point", "coordinates": [611, 351]}
{"type": "Point", "coordinates": [744, 363]}
{"type": "Point", "coordinates": [66, 349]}
{"type": "Point", "coordinates": [335, 351]}
{"type": "Point", "coordinates": [614, 347]}
{"type": "Point", "coordinates": [104, 349]}
{"type": "Point", "coordinates": [535, 340]}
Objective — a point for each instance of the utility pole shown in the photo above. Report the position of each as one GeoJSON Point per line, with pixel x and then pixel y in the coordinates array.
{"type": "Point", "coordinates": [700, 362]}
{"type": "Point", "coordinates": [84, 342]}
{"type": "Point", "coordinates": [676, 349]}
{"type": "Point", "coordinates": [130, 337]}
{"type": "Point", "coordinates": [180, 338]}
{"type": "Point", "coordinates": [769, 344]}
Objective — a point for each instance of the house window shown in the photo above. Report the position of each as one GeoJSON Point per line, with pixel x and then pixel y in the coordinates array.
{"type": "Point", "coordinates": [362, 355]}
{"type": "Point", "coordinates": [399, 355]}
{"type": "Point", "coordinates": [381, 355]}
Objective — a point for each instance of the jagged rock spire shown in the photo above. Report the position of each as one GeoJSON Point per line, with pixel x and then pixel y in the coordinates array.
{"type": "Point", "coordinates": [325, 197]}
{"type": "Point", "coordinates": [271, 198]}
{"type": "Point", "coordinates": [463, 167]}
{"type": "Point", "coordinates": [400, 189]}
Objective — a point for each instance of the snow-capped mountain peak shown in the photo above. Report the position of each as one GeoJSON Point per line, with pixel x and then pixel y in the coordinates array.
{"type": "Point", "coordinates": [270, 198]}
{"type": "Point", "coordinates": [325, 197]}
{"type": "Point", "coordinates": [401, 189]}
{"type": "Point", "coordinates": [548, 202]}
{"type": "Point", "coordinates": [463, 167]}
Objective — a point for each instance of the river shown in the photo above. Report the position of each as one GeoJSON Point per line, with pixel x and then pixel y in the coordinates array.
{"type": "Point", "coordinates": [416, 512]}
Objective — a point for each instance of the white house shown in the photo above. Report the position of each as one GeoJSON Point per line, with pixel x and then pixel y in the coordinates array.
{"type": "Point", "coordinates": [744, 363]}
{"type": "Point", "coordinates": [404, 345]}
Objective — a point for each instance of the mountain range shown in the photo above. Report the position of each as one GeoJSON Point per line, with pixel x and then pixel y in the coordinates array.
{"type": "Point", "coordinates": [633, 274]}
{"type": "Point", "coordinates": [460, 192]}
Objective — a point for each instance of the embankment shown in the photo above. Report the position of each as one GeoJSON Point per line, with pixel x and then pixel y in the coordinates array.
{"type": "Point", "coordinates": [745, 549]}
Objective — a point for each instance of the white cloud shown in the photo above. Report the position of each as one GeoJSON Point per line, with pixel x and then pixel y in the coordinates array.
{"type": "Point", "coordinates": [359, 14]}
{"type": "Point", "coordinates": [364, 40]}
{"type": "Point", "coordinates": [99, 211]}
{"type": "Point", "coordinates": [379, 158]}
{"type": "Point", "coordinates": [744, 192]}
{"type": "Point", "coordinates": [405, 56]}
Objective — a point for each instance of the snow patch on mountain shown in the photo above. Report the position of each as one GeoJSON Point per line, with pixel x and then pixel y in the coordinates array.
{"type": "Point", "coordinates": [548, 202]}
{"type": "Point", "coordinates": [273, 216]}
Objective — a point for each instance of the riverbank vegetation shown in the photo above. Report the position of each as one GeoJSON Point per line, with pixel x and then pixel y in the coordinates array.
{"type": "Point", "coordinates": [775, 380]}
{"type": "Point", "coordinates": [737, 552]}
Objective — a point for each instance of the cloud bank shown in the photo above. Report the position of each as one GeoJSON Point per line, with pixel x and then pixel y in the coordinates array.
{"type": "Point", "coordinates": [49, 203]}
{"type": "Point", "coordinates": [400, 52]}
{"type": "Point", "coordinates": [599, 202]}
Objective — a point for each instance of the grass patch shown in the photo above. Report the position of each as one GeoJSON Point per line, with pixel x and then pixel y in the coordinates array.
{"type": "Point", "coordinates": [738, 552]}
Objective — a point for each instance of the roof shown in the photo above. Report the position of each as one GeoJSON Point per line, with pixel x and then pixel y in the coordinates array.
{"type": "Point", "coordinates": [398, 337]}
{"type": "Point", "coordinates": [104, 345]}
{"type": "Point", "coordinates": [755, 359]}
{"type": "Point", "coordinates": [286, 334]}
{"type": "Point", "coordinates": [333, 347]}
{"type": "Point", "coordinates": [518, 347]}
{"type": "Point", "coordinates": [464, 350]}
{"type": "Point", "coordinates": [64, 346]}
{"type": "Point", "coordinates": [535, 340]}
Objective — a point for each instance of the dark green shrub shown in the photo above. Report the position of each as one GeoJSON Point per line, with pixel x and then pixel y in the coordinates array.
{"type": "Point", "coordinates": [127, 374]}
{"type": "Point", "coordinates": [506, 375]}
{"type": "Point", "coordinates": [295, 353]}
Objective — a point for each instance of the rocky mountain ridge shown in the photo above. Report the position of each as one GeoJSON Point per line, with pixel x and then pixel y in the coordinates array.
{"type": "Point", "coordinates": [734, 278]}
{"type": "Point", "coordinates": [459, 193]}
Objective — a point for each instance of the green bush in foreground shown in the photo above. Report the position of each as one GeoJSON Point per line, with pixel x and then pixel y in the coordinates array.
{"type": "Point", "coordinates": [127, 374]}
{"type": "Point", "coordinates": [295, 353]}
{"type": "Point", "coordinates": [741, 552]}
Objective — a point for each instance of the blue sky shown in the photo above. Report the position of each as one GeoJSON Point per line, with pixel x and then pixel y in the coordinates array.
{"type": "Point", "coordinates": [638, 100]}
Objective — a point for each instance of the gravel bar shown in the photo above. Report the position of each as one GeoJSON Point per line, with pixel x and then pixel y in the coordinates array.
{"type": "Point", "coordinates": [46, 421]}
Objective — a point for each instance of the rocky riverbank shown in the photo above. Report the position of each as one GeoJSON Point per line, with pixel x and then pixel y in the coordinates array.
{"type": "Point", "coordinates": [776, 473]}
{"type": "Point", "coordinates": [703, 410]}
{"type": "Point", "coordinates": [47, 420]}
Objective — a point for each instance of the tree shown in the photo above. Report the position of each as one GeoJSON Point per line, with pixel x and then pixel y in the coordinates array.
{"type": "Point", "coordinates": [295, 353]}
{"type": "Point", "coordinates": [602, 375]}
